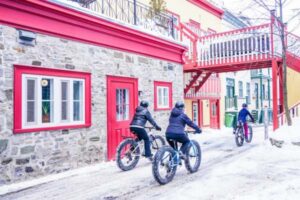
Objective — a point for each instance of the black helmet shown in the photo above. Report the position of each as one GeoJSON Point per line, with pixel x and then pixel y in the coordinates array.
{"type": "Point", "coordinates": [179, 105]}
{"type": "Point", "coordinates": [144, 103]}
{"type": "Point", "coordinates": [244, 105]}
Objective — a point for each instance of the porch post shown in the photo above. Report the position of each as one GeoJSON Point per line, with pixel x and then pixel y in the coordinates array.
{"type": "Point", "coordinates": [275, 100]}
{"type": "Point", "coordinates": [281, 88]}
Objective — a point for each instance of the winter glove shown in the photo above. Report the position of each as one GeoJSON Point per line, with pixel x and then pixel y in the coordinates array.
{"type": "Point", "coordinates": [198, 131]}
{"type": "Point", "coordinates": [158, 128]}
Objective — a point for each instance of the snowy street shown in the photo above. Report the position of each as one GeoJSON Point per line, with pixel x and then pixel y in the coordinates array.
{"type": "Point", "coordinates": [254, 171]}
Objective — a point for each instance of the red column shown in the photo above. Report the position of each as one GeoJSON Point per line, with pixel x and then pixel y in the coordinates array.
{"type": "Point", "coordinates": [275, 100]}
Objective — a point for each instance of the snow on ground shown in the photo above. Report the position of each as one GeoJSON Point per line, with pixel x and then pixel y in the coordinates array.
{"type": "Point", "coordinates": [254, 171]}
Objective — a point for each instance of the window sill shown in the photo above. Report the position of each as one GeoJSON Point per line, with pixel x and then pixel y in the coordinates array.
{"type": "Point", "coordinates": [27, 130]}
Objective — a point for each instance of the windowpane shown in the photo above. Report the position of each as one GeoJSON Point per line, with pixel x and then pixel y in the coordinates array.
{"type": "Point", "coordinates": [31, 101]}
{"type": "Point", "coordinates": [47, 108]}
{"type": "Point", "coordinates": [30, 111]}
{"type": "Point", "coordinates": [77, 100]}
{"type": "Point", "coordinates": [64, 90]}
{"type": "Point", "coordinates": [122, 104]}
{"type": "Point", "coordinates": [47, 100]}
{"type": "Point", "coordinates": [31, 89]}
{"type": "Point", "coordinates": [76, 111]}
{"type": "Point", "coordinates": [64, 100]}
{"type": "Point", "coordinates": [77, 90]}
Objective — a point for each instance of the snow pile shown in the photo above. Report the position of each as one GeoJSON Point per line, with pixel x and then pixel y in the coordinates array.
{"type": "Point", "coordinates": [289, 134]}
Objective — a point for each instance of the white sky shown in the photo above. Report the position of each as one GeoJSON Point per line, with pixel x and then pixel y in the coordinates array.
{"type": "Point", "coordinates": [251, 9]}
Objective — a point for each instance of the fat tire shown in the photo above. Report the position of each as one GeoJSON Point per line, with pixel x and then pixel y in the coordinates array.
{"type": "Point", "coordinates": [136, 157]}
{"type": "Point", "coordinates": [158, 142]}
{"type": "Point", "coordinates": [250, 135]}
{"type": "Point", "coordinates": [156, 162]}
{"type": "Point", "coordinates": [193, 169]}
{"type": "Point", "coordinates": [238, 142]}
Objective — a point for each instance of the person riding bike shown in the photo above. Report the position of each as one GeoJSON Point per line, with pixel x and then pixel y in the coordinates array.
{"type": "Point", "coordinates": [175, 131]}
{"type": "Point", "coordinates": [137, 126]}
{"type": "Point", "coordinates": [243, 118]}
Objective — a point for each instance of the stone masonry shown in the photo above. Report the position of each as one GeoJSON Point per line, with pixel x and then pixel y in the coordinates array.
{"type": "Point", "coordinates": [29, 155]}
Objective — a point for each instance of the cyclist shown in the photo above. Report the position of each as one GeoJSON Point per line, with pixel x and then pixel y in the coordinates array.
{"type": "Point", "coordinates": [242, 117]}
{"type": "Point", "coordinates": [175, 131]}
{"type": "Point", "coordinates": [137, 126]}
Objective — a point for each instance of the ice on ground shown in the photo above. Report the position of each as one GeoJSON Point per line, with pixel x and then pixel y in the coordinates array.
{"type": "Point", "coordinates": [254, 171]}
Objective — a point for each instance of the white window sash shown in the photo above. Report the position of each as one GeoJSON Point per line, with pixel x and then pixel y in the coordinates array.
{"type": "Point", "coordinates": [57, 114]}
{"type": "Point", "coordinates": [162, 97]}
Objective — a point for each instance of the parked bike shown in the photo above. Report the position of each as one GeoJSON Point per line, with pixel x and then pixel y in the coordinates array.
{"type": "Point", "coordinates": [167, 159]}
{"type": "Point", "coordinates": [240, 134]}
{"type": "Point", "coordinates": [131, 149]}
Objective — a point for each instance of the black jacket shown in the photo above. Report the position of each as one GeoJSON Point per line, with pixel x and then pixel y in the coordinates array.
{"type": "Point", "coordinates": [177, 122]}
{"type": "Point", "coordinates": [141, 116]}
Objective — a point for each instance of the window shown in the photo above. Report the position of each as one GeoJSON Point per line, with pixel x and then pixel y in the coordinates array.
{"type": "Point", "coordinates": [241, 89]}
{"type": "Point", "coordinates": [248, 93]}
{"type": "Point", "coordinates": [50, 99]}
{"type": "Point", "coordinates": [122, 103]}
{"type": "Point", "coordinates": [162, 95]}
{"type": "Point", "coordinates": [263, 92]}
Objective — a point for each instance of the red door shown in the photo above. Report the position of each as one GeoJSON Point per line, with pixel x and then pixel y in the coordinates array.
{"type": "Point", "coordinates": [122, 98]}
{"type": "Point", "coordinates": [214, 114]}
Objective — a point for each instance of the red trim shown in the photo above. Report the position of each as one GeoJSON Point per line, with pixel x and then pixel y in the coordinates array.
{"type": "Point", "coordinates": [194, 24]}
{"type": "Point", "coordinates": [52, 19]}
{"type": "Point", "coordinates": [208, 7]}
{"type": "Point", "coordinates": [164, 84]}
{"type": "Point", "coordinates": [212, 31]}
{"type": "Point", "coordinates": [19, 70]}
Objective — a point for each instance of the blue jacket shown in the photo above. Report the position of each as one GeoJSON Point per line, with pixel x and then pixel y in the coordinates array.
{"type": "Point", "coordinates": [177, 122]}
{"type": "Point", "coordinates": [243, 115]}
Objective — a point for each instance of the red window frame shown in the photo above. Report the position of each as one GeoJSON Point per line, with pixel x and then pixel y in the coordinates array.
{"type": "Point", "coordinates": [19, 70]}
{"type": "Point", "coordinates": [162, 84]}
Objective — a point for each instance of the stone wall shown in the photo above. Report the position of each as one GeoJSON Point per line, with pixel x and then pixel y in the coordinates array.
{"type": "Point", "coordinates": [30, 155]}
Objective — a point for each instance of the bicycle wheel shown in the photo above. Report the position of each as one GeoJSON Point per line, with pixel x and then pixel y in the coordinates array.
{"type": "Point", "coordinates": [157, 142]}
{"type": "Point", "coordinates": [250, 135]}
{"type": "Point", "coordinates": [193, 157]}
{"type": "Point", "coordinates": [164, 166]}
{"type": "Point", "coordinates": [128, 154]}
{"type": "Point", "coordinates": [239, 137]}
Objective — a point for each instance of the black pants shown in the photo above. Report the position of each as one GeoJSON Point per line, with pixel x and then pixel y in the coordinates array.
{"type": "Point", "coordinates": [181, 138]}
{"type": "Point", "coordinates": [143, 135]}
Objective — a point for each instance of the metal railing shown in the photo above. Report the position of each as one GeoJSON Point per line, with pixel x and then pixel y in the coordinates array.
{"type": "Point", "coordinates": [130, 12]}
{"type": "Point", "coordinates": [293, 44]}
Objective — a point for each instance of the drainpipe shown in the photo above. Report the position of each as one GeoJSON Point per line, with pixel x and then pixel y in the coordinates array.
{"type": "Point", "coordinates": [269, 92]}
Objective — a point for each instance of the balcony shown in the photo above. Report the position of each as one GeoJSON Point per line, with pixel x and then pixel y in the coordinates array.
{"type": "Point", "coordinates": [126, 12]}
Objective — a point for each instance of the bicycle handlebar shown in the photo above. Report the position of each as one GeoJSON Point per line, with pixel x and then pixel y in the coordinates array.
{"type": "Point", "coordinates": [190, 131]}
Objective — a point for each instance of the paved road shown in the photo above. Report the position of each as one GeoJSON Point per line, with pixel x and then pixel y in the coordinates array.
{"type": "Point", "coordinates": [108, 182]}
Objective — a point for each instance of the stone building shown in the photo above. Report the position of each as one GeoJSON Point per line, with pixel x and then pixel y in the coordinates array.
{"type": "Point", "coordinates": [69, 84]}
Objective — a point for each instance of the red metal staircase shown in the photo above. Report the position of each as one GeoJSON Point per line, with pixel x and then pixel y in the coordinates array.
{"type": "Point", "coordinates": [253, 47]}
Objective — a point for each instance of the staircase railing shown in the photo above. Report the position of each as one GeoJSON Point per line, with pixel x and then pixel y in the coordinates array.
{"type": "Point", "coordinates": [189, 38]}
{"type": "Point", "coordinates": [293, 44]}
{"type": "Point", "coordinates": [294, 111]}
